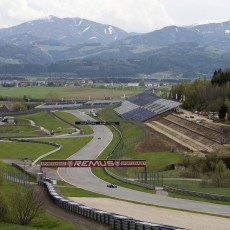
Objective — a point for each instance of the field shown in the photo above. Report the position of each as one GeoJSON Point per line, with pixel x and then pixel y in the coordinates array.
{"type": "Point", "coordinates": [45, 120]}
{"type": "Point", "coordinates": [71, 119]}
{"type": "Point", "coordinates": [19, 150]}
{"type": "Point", "coordinates": [72, 92]}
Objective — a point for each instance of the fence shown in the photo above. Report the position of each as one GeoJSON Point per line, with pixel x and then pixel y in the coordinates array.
{"type": "Point", "coordinates": [24, 171]}
{"type": "Point", "coordinates": [20, 178]}
{"type": "Point", "coordinates": [198, 194]}
{"type": "Point", "coordinates": [151, 178]}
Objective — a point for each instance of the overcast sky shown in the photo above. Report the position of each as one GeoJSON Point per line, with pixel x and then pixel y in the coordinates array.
{"type": "Point", "coordinates": [130, 15]}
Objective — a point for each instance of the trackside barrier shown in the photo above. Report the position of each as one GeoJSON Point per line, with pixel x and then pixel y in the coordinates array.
{"type": "Point", "coordinates": [114, 220]}
{"type": "Point", "coordinates": [130, 181]}
{"type": "Point", "coordinates": [198, 194]}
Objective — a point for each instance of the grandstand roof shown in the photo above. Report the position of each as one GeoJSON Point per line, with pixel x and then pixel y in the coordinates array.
{"type": "Point", "coordinates": [145, 106]}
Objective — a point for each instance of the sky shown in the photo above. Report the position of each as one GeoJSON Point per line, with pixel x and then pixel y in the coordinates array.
{"type": "Point", "coordinates": [130, 15]}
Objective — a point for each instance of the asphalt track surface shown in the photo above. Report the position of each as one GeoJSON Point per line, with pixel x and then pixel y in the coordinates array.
{"type": "Point", "coordinates": [83, 178]}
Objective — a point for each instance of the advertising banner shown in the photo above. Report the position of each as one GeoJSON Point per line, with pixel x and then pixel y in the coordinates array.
{"type": "Point", "coordinates": [93, 163]}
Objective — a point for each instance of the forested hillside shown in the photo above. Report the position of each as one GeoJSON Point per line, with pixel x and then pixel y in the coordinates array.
{"type": "Point", "coordinates": [206, 95]}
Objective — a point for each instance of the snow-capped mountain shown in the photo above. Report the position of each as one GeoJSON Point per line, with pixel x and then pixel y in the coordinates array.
{"type": "Point", "coordinates": [105, 50]}
{"type": "Point", "coordinates": [217, 34]}
{"type": "Point", "coordinates": [67, 31]}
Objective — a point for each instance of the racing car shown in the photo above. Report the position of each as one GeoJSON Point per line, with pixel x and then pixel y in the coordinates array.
{"type": "Point", "coordinates": [111, 186]}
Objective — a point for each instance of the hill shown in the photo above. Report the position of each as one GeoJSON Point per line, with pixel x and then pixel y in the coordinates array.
{"type": "Point", "coordinates": [60, 43]}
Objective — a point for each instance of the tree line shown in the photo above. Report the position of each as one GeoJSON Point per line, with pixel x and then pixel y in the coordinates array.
{"type": "Point", "coordinates": [206, 95]}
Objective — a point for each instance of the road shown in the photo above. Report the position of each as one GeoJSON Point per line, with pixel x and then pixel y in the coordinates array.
{"type": "Point", "coordinates": [83, 178]}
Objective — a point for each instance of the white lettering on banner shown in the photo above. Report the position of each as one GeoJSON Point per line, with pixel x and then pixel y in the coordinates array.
{"type": "Point", "coordinates": [93, 163]}
{"type": "Point", "coordinates": [53, 164]}
{"type": "Point", "coordinates": [77, 164]}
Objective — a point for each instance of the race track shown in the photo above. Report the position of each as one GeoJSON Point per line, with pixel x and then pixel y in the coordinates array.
{"type": "Point", "coordinates": [83, 178]}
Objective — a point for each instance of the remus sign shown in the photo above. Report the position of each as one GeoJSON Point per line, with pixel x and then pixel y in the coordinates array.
{"type": "Point", "coordinates": [93, 163]}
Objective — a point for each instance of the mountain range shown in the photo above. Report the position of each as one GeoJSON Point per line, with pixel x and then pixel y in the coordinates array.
{"type": "Point", "coordinates": [45, 43]}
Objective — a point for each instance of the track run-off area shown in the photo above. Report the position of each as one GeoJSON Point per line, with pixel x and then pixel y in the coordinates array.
{"type": "Point", "coordinates": [84, 178]}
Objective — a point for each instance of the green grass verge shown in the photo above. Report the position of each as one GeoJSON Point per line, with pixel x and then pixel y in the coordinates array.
{"type": "Point", "coordinates": [9, 168]}
{"type": "Point", "coordinates": [19, 150]}
{"type": "Point", "coordinates": [77, 192]}
{"type": "Point", "coordinates": [71, 119]}
{"type": "Point", "coordinates": [70, 146]}
{"type": "Point", "coordinates": [18, 130]}
{"type": "Point", "coordinates": [45, 120]}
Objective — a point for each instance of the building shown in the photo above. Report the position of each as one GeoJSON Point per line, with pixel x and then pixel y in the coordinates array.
{"type": "Point", "coordinates": [3, 109]}
{"type": "Point", "coordinates": [9, 120]}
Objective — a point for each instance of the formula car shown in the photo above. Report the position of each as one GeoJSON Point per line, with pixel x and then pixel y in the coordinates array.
{"type": "Point", "coordinates": [111, 186]}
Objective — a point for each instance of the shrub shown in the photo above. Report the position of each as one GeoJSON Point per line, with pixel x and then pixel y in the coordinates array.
{"type": "Point", "coordinates": [26, 205]}
{"type": "Point", "coordinates": [3, 208]}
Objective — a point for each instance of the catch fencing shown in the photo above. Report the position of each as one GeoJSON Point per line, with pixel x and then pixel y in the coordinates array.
{"type": "Point", "coordinates": [15, 177]}
{"type": "Point", "coordinates": [197, 194]}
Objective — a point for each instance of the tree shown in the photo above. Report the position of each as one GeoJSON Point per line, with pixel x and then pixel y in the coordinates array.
{"type": "Point", "coordinates": [52, 96]}
{"type": "Point", "coordinates": [26, 205]}
{"type": "Point", "coordinates": [220, 174]}
{"type": "Point", "coordinates": [222, 111]}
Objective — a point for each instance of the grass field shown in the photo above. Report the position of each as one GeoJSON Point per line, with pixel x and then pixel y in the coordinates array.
{"type": "Point", "coordinates": [19, 150]}
{"type": "Point", "coordinates": [68, 92]}
{"type": "Point", "coordinates": [18, 130]}
{"type": "Point", "coordinates": [70, 146]}
{"type": "Point", "coordinates": [71, 119]}
{"type": "Point", "coordinates": [45, 120]}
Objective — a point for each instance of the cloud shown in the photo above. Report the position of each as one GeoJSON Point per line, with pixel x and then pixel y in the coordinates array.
{"type": "Point", "coordinates": [130, 15]}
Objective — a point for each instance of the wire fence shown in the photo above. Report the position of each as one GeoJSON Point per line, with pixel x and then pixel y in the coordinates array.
{"type": "Point", "coordinates": [15, 177]}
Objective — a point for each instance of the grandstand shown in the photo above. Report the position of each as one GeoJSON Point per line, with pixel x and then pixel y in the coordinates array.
{"type": "Point", "coordinates": [145, 106]}
{"type": "Point", "coordinates": [77, 104]}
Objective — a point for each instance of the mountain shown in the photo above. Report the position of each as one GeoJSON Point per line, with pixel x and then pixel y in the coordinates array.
{"type": "Point", "coordinates": [56, 31]}
{"type": "Point", "coordinates": [86, 48]}
{"type": "Point", "coordinates": [217, 34]}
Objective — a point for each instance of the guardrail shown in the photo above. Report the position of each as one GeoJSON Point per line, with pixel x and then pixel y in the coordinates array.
{"type": "Point", "coordinates": [116, 221]}
{"type": "Point", "coordinates": [198, 194]}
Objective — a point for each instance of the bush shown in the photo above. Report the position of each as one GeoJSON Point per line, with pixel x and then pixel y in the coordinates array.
{"type": "Point", "coordinates": [26, 205]}
{"type": "Point", "coordinates": [3, 208]}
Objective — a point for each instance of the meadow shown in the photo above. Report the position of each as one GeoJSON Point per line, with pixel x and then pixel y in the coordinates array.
{"type": "Point", "coordinates": [71, 119]}
{"type": "Point", "coordinates": [44, 119]}
{"type": "Point", "coordinates": [71, 92]}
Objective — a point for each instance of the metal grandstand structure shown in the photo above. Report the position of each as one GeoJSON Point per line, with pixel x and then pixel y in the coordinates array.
{"type": "Point", "coordinates": [145, 106]}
